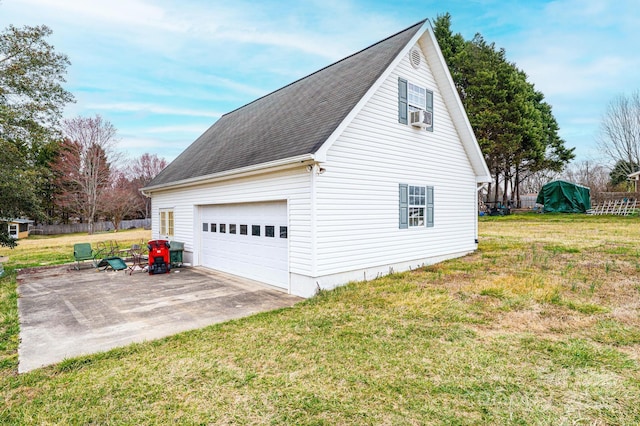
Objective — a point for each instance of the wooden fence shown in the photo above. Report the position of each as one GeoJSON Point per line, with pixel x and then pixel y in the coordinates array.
{"type": "Point", "coordinates": [601, 197]}
{"type": "Point", "coordinates": [84, 227]}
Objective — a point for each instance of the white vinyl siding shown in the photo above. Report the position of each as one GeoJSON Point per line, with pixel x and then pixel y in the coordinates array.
{"type": "Point", "coordinates": [357, 198]}
{"type": "Point", "coordinates": [291, 185]}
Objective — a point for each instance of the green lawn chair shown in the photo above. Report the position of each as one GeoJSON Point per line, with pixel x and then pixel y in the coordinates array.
{"type": "Point", "coordinates": [113, 262]}
{"type": "Point", "coordinates": [82, 252]}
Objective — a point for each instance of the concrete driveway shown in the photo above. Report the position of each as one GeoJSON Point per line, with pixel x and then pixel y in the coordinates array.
{"type": "Point", "coordinates": [66, 313]}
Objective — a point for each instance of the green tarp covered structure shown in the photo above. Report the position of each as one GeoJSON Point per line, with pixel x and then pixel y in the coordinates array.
{"type": "Point", "coordinates": [561, 196]}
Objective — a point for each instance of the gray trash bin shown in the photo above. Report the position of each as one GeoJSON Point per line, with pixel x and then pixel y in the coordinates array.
{"type": "Point", "coordinates": [176, 249]}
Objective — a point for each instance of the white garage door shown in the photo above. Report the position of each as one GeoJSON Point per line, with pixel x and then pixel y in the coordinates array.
{"type": "Point", "coordinates": [250, 240]}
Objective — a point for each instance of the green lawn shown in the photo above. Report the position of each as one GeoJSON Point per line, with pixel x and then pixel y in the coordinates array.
{"type": "Point", "coordinates": [540, 326]}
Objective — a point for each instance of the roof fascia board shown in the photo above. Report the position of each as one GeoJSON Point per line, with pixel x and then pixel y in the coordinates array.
{"type": "Point", "coordinates": [271, 166]}
{"type": "Point", "coordinates": [321, 153]}
{"type": "Point", "coordinates": [454, 104]}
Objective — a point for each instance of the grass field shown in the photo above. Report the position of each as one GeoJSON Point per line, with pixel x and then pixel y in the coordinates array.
{"type": "Point", "coordinates": [42, 250]}
{"type": "Point", "coordinates": [540, 326]}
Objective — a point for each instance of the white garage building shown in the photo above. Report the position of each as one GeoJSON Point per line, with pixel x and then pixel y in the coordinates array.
{"type": "Point", "coordinates": [364, 167]}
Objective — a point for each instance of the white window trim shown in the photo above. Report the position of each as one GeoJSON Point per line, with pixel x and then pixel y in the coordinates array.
{"type": "Point", "coordinates": [417, 202]}
{"type": "Point", "coordinates": [421, 96]}
{"type": "Point", "coordinates": [166, 224]}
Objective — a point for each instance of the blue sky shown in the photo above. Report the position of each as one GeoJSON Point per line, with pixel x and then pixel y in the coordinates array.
{"type": "Point", "coordinates": [163, 71]}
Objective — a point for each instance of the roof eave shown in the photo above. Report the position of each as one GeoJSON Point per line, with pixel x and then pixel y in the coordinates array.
{"type": "Point", "coordinates": [255, 169]}
{"type": "Point", "coordinates": [454, 104]}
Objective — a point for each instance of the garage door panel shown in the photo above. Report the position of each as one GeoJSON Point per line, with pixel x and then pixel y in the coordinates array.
{"type": "Point", "coordinates": [260, 257]}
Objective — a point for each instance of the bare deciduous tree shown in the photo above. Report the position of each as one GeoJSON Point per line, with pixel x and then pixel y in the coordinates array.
{"type": "Point", "coordinates": [620, 130]}
{"type": "Point", "coordinates": [587, 173]}
{"type": "Point", "coordinates": [83, 167]}
{"type": "Point", "coordinates": [119, 200]}
{"type": "Point", "coordinates": [590, 174]}
{"type": "Point", "coordinates": [141, 172]}
{"type": "Point", "coordinates": [535, 181]}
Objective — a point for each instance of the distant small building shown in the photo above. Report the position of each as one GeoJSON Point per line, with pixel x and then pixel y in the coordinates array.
{"type": "Point", "coordinates": [19, 228]}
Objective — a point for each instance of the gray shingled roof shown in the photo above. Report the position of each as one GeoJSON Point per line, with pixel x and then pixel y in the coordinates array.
{"type": "Point", "coordinates": [289, 122]}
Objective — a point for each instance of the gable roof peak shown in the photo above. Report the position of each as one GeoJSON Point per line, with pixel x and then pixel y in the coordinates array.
{"type": "Point", "coordinates": [418, 24]}
{"type": "Point", "coordinates": [289, 122]}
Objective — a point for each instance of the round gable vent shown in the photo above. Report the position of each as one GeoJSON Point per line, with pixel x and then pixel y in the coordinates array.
{"type": "Point", "coordinates": [415, 57]}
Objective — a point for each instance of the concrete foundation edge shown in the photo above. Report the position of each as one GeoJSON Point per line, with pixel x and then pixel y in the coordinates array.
{"type": "Point", "coordinates": [306, 286]}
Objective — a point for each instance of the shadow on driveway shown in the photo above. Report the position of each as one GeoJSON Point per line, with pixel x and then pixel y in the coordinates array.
{"type": "Point", "coordinates": [66, 313]}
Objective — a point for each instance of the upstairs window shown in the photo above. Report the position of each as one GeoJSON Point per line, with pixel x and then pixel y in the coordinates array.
{"type": "Point", "coordinates": [413, 98]}
{"type": "Point", "coordinates": [416, 97]}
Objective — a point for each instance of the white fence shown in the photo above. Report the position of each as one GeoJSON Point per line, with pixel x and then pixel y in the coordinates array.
{"type": "Point", "coordinates": [528, 201]}
{"type": "Point", "coordinates": [84, 227]}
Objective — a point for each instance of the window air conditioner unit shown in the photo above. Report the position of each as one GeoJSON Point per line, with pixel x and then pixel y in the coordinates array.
{"type": "Point", "coordinates": [421, 118]}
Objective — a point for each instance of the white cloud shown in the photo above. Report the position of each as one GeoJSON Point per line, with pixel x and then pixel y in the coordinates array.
{"type": "Point", "coordinates": [124, 13]}
{"type": "Point", "coordinates": [578, 53]}
{"type": "Point", "coordinates": [151, 108]}
{"type": "Point", "coordinates": [172, 29]}
{"type": "Point", "coordinates": [135, 146]}
{"type": "Point", "coordinates": [558, 73]}
{"type": "Point", "coordinates": [325, 29]}
{"type": "Point", "coordinates": [184, 128]}
{"type": "Point", "coordinates": [577, 46]}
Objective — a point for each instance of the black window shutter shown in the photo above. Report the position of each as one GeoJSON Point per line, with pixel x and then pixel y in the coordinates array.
{"type": "Point", "coordinates": [404, 206]}
{"type": "Point", "coordinates": [429, 207]}
{"type": "Point", "coordinates": [429, 108]}
{"type": "Point", "coordinates": [402, 100]}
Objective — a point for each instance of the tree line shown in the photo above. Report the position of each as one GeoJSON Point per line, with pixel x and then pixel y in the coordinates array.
{"type": "Point", "coordinates": [515, 127]}
{"type": "Point", "coordinates": [55, 170]}
{"type": "Point", "coordinates": [90, 181]}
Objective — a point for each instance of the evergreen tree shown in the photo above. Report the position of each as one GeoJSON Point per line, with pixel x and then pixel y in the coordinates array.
{"type": "Point", "coordinates": [620, 173]}
{"type": "Point", "coordinates": [515, 128]}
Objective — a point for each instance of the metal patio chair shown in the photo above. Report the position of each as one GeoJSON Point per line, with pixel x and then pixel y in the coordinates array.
{"type": "Point", "coordinates": [82, 252]}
